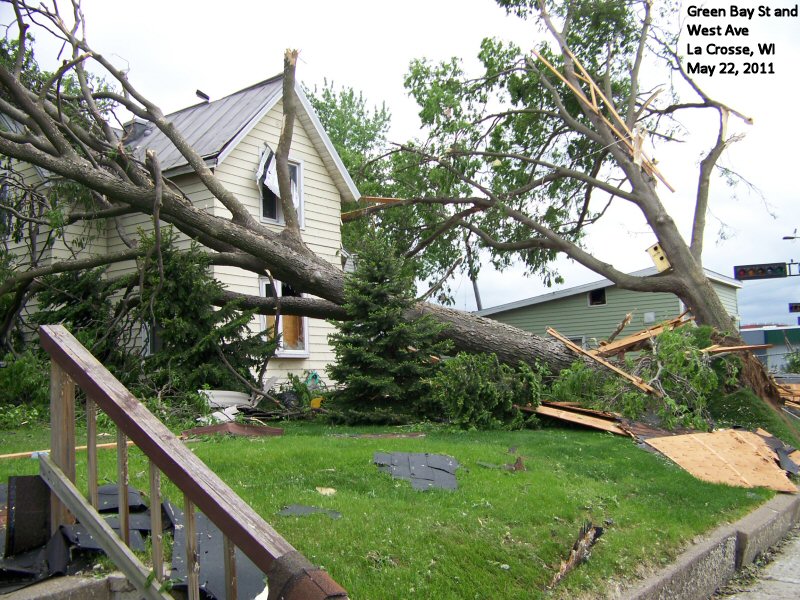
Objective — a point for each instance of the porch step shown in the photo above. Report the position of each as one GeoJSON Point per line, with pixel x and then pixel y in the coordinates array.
{"type": "Point", "coordinates": [110, 587]}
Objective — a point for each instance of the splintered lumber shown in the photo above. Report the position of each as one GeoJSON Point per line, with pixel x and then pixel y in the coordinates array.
{"type": "Point", "coordinates": [47, 451]}
{"type": "Point", "coordinates": [607, 422]}
{"type": "Point", "coordinates": [718, 349]}
{"type": "Point", "coordinates": [622, 325]}
{"type": "Point", "coordinates": [789, 392]}
{"type": "Point", "coordinates": [637, 381]}
{"type": "Point", "coordinates": [737, 458]}
{"type": "Point", "coordinates": [360, 212]}
{"type": "Point", "coordinates": [580, 552]}
{"type": "Point", "coordinates": [631, 342]}
{"type": "Point", "coordinates": [625, 136]}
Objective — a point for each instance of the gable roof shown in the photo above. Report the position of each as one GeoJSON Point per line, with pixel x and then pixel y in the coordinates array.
{"type": "Point", "coordinates": [594, 285]}
{"type": "Point", "coordinates": [215, 128]}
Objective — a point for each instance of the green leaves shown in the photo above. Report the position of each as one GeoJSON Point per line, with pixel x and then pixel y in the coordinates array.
{"type": "Point", "coordinates": [383, 359]}
{"type": "Point", "coordinates": [476, 391]}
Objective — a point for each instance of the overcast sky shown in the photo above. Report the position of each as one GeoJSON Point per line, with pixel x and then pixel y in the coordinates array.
{"type": "Point", "coordinates": [174, 47]}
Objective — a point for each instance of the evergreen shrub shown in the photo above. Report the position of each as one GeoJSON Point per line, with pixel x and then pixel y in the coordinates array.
{"type": "Point", "coordinates": [477, 391]}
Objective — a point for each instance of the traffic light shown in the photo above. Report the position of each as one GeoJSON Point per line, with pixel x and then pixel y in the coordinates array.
{"type": "Point", "coordinates": [794, 307]}
{"type": "Point", "coordinates": [765, 271]}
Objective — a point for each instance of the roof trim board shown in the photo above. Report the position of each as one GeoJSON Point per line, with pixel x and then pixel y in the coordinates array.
{"type": "Point", "coordinates": [328, 144]}
{"type": "Point", "coordinates": [588, 287]}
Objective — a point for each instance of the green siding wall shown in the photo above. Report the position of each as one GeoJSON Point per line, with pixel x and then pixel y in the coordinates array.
{"type": "Point", "coordinates": [729, 298]}
{"type": "Point", "coordinates": [573, 317]}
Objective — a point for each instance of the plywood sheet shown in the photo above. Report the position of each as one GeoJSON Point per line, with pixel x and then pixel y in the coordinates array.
{"type": "Point", "coordinates": [738, 458]}
{"type": "Point", "coordinates": [580, 419]}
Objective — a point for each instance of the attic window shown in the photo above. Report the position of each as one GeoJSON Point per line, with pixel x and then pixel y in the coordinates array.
{"type": "Point", "coordinates": [267, 178]}
{"type": "Point", "coordinates": [597, 297]}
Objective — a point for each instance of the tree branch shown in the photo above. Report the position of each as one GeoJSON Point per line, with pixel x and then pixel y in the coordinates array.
{"type": "Point", "coordinates": [292, 223]}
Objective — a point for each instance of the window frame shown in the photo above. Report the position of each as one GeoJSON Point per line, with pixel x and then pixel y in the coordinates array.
{"type": "Point", "coordinates": [589, 297]}
{"type": "Point", "coordinates": [297, 165]}
{"type": "Point", "coordinates": [281, 352]}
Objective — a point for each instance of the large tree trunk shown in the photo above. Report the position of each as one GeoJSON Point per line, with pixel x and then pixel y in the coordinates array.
{"type": "Point", "coordinates": [472, 333]}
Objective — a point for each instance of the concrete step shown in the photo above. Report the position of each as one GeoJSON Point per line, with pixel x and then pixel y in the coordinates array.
{"type": "Point", "coordinates": [110, 587]}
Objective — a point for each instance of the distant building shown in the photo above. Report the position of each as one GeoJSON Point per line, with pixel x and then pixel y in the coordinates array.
{"type": "Point", "coordinates": [784, 339]}
{"type": "Point", "coordinates": [590, 312]}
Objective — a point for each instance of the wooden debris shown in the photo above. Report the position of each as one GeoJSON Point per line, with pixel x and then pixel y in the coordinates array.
{"type": "Point", "coordinates": [637, 381]}
{"type": "Point", "coordinates": [719, 349]}
{"type": "Point", "coordinates": [789, 393]}
{"type": "Point", "coordinates": [737, 458]}
{"type": "Point", "coordinates": [580, 552]}
{"type": "Point", "coordinates": [77, 449]}
{"type": "Point", "coordinates": [622, 325]}
{"type": "Point", "coordinates": [594, 419]}
{"type": "Point", "coordinates": [619, 127]}
{"type": "Point", "coordinates": [635, 341]}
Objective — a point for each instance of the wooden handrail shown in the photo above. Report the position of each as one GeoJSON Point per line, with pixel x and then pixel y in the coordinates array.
{"type": "Point", "coordinates": [289, 573]}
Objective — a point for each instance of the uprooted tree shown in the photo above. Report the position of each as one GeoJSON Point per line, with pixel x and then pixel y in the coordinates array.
{"type": "Point", "coordinates": [525, 179]}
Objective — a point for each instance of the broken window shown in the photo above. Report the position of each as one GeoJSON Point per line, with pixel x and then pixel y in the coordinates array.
{"type": "Point", "coordinates": [267, 178]}
{"type": "Point", "coordinates": [597, 297]}
{"type": "Point", "coordinates": [292, 329]}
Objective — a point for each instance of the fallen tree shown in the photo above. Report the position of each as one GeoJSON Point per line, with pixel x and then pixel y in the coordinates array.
{"type": "Point", "coordinates": [62, 123]}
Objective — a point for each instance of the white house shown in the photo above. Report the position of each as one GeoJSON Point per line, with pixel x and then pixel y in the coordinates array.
{"type": "Point", "coordinates": [234, 135]}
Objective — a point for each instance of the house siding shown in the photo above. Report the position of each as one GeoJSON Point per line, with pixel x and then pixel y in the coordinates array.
{"type": "Point", "coordinates": [320, 231]}
{"type": "Point", "coordinates": [573, 317]}
{"type": "Point", "coordinates": [321, 223]}
{"type": "Point", "coordinates": [729, 299]}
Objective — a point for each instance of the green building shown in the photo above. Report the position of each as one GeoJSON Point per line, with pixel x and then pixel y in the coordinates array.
{"type": "Point", "coordinates": [589, 313]}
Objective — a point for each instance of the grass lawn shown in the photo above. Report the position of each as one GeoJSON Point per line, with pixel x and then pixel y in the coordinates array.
{"type": "Point", "coordinates": [502, 534]}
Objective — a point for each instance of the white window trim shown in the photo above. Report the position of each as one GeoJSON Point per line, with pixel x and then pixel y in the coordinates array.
{"type": "Point", "coordinates": [300, 201]}
{"type": "Point", "coordinates": [263, 282]}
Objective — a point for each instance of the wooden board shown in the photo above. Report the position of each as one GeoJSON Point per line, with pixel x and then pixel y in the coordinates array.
{"type": "Point", "coordinates": [737, 458]}
{"type": "Point", "coordinates": [637, 381]}
{"type": "Point", "coordinates": [632, 341]}
{"type": "Point", "coordinates": [578, 418]}
{"type": "Point", "coordinates": [123, 557]}
{"type": "Point", "coordinates": [717, 349]}
{"type": "Point", "coordinates": [577, 408]}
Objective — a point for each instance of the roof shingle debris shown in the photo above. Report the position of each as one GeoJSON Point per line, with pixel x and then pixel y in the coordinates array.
{"type": "Point", "coordinates": [424, 471]}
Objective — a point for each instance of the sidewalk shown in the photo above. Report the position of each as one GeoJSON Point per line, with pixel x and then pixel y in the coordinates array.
{"type": "Point", "coordinates": [711, 563]}
{"type": "Point", "coordinates": [780, 579]}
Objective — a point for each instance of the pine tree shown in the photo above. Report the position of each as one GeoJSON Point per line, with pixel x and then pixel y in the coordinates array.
{"type": "Point", "coordinates": [383, 360]}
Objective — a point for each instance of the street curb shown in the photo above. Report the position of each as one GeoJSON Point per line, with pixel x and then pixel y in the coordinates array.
{"type": "Point", "coordinates": [710, 564]}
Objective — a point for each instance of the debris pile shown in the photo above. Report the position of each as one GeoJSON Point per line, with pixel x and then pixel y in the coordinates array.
{"type": "Point", "coordinates": [734, 457]}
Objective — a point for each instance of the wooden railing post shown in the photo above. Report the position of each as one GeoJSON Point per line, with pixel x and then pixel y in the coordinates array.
{"type": "Point", "coordinates": [62, 437]}
{"type": "Point", "coordinates": [229, 554]}
{"type": "Point", "coordinates": [122, 486]}
{"type": "Point", "coordinates": [192, 558]}
{"type": "Point", "coordinates": [91, 451]}
{"type": "Point", "coordinates": [156, 527]}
